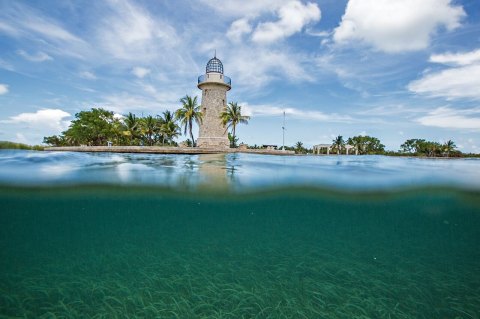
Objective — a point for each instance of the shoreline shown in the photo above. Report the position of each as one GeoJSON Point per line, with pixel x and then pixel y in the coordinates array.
{"type": "Point", "coordinates": [164, 150]}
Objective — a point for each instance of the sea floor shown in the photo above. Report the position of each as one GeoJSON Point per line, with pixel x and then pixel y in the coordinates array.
{"type": "Point", "coordinates": [132, 253]}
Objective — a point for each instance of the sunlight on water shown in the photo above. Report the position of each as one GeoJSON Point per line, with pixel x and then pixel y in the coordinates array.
{"type": "Point", "coordinates": [239, 172]}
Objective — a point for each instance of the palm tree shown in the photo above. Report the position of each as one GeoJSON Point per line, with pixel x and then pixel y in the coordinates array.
{"type": "Point", "coordinates": [149, 127]}
{"type": "Point", "coordinates": [187, 114]}
{"type": "Point", "coordinates": [449, 146]}
{"type": "Point", "coordinates": [170, 130]}
{"type": "Point", "coordinates": [132, 125]}
{"type": "Point", "coordinates": [168, 116]}
{"type": "Point", "coordinates": [231, 116]}
{"type": "Point", "coordinates": [117, 130]}
{"type": "Point", "coordinates": [168, 127]}
{"type": "Point", "coordinates": [358, 142]}
{"type": "Point", "coordinates": [299, 147]}
{"type": "Point", "coordinates": [338, 143]}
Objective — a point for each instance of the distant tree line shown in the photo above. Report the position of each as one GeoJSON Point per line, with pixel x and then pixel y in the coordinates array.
{"type": "Point", "coordinates": [19, 146]}
{"type": "Point", "coordinates": [98, 126]}
{"type": "Point", "coordinates": [368, 145]}
{"type": "Point", "coordinates": [364, 144]}
{"type": "Point", "coordinates": [421, 147]}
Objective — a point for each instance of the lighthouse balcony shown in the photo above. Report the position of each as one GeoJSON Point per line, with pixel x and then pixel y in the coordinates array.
{"type": "Point", "coordinates": [216, 78]}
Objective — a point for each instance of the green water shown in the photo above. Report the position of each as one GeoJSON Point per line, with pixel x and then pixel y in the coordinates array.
{"type": "Point", "coordinates": [146, 253]}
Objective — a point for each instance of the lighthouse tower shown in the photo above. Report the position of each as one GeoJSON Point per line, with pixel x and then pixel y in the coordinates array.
{"type": "Point", "coordinates": [214, 86]}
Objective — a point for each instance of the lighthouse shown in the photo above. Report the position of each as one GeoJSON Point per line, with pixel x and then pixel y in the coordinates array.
{"type": "Point", "coordinates": [214, 85]}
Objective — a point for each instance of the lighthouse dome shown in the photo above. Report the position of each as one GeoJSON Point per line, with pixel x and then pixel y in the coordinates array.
{"type": "Point", "coordinates": [214, 65]}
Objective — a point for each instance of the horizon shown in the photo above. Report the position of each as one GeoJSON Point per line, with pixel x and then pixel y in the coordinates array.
{"type": "Point", "coordinates": [334, 67]}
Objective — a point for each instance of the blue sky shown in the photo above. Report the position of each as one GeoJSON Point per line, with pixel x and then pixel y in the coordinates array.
{"type": "Point", "coordinates": [393, 69]}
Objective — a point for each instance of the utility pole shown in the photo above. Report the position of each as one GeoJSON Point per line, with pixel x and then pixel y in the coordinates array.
{"type": "Point", "coordinates": [283, 129]}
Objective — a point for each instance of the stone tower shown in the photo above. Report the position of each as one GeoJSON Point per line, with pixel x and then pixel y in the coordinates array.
{"type": "Point", "coordinates": [214, 86]}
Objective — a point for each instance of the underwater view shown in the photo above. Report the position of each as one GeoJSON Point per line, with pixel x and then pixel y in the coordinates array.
{"type": "Point", "coordinates": [86, 235]}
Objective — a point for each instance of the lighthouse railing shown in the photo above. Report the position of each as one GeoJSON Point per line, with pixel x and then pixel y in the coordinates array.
{"type": "Point", "coordinates": [226, 79]}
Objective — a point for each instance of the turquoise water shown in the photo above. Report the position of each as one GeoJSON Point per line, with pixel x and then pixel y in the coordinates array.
{"type": "Point", "coordinates": [231, 236]}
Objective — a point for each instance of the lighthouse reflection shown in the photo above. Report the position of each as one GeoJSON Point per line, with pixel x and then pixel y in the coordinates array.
{"type": "Point", "coordinates": [217, 171]}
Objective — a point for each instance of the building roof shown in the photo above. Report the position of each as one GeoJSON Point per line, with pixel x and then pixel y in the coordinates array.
{"type": "Point", "coordinates": [214, 65]}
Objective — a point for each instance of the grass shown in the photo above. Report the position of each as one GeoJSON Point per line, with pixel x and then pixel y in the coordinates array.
{"type": "Point", "coordinates": [19, 146]}
{"type": "Point", "coordinates": [155, 259]}
{"type": "Point", "coordinates": [193, 281]}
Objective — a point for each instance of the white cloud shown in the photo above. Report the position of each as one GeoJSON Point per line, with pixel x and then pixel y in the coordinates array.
{"type": "Point", "coordinates": [130, 33]}
{"type": "Point", "coordinates": [320, 34]}
{"type": "Point", "coordinates": [21, 21]}
{"type": "Point", "coordinates": [6, 28]}
{"type": "Point", "coordinates": [154, 102]}
{"type": "Point", "coordinates": [118, 116]}
{"type": "Point", "coordinates": [243, 8]}
{"type": "Point", "coordinates": [3, 89]}
{"type": "Point", "coordinates": [458, 59]}
{"type": "Point", "coordinates": [238, 28]}
{"type": "Point", "coordinates": [256, 68]}
{"type": "Point", "coordinates": [5, 65]}
{"type": "Point", "coordinates": [268, 110]}
{"type": "Point", "coordinates": [20, 138]}
{"type": "Point", "coordinates": [37, 57]}
{"type": "Point", "coordinates": [446, 117]}
{"type": "Point", "coordinates": [88, 75]}
{"type": "Point", "coordinates": [396, 25]}
{"type": "Point", "coordinates": [50, 118]}
{"type": "Point", "coordinates": [462, 81]}
{"type": "Point", "coordinates": [140, 72]}
{"type": "Point", "coordinates": [293, 16]}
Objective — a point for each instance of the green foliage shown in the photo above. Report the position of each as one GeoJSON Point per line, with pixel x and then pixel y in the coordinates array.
{"type": "Point", "coordinates": [366, 144]}
{"type": "Point", "coordinates": [449, 147]}
{"type": "Point", "coordinates": [94, 127]}
{"type": "Point", "coordinates": [231, 117]}
{"type": "Point", "coordinates": [149, 129]}
{"type": "Point", "coordinates": [55, 140]}
{"type": "Point", "coordinates": [338, 143]}
{"type": "Point", "coordinates": [169, 128]}
{"type": "Point", "coordinates": [132, 129]}
{"type": "Point", "coordinates": [421, 147]}
{"type": "Point", "coordinates": [189, 113]}
{"type": "Point", "coordinates": [233, 140]}
{"type": "Point", "coordinates": [299, 149]}
{"type": "Point", "coordinates": [98, 126]}
{"type": "Point", "coordinates": [19, 146]}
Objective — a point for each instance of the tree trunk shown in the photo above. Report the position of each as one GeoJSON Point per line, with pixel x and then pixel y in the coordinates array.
{"type": "Point", "coordinates": [191, 134]}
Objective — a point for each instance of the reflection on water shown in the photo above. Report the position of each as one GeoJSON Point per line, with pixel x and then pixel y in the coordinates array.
{"type": "Point", "coordinates": [213, 171]}
{"type": "Point", "coordinates": [237, 172]}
